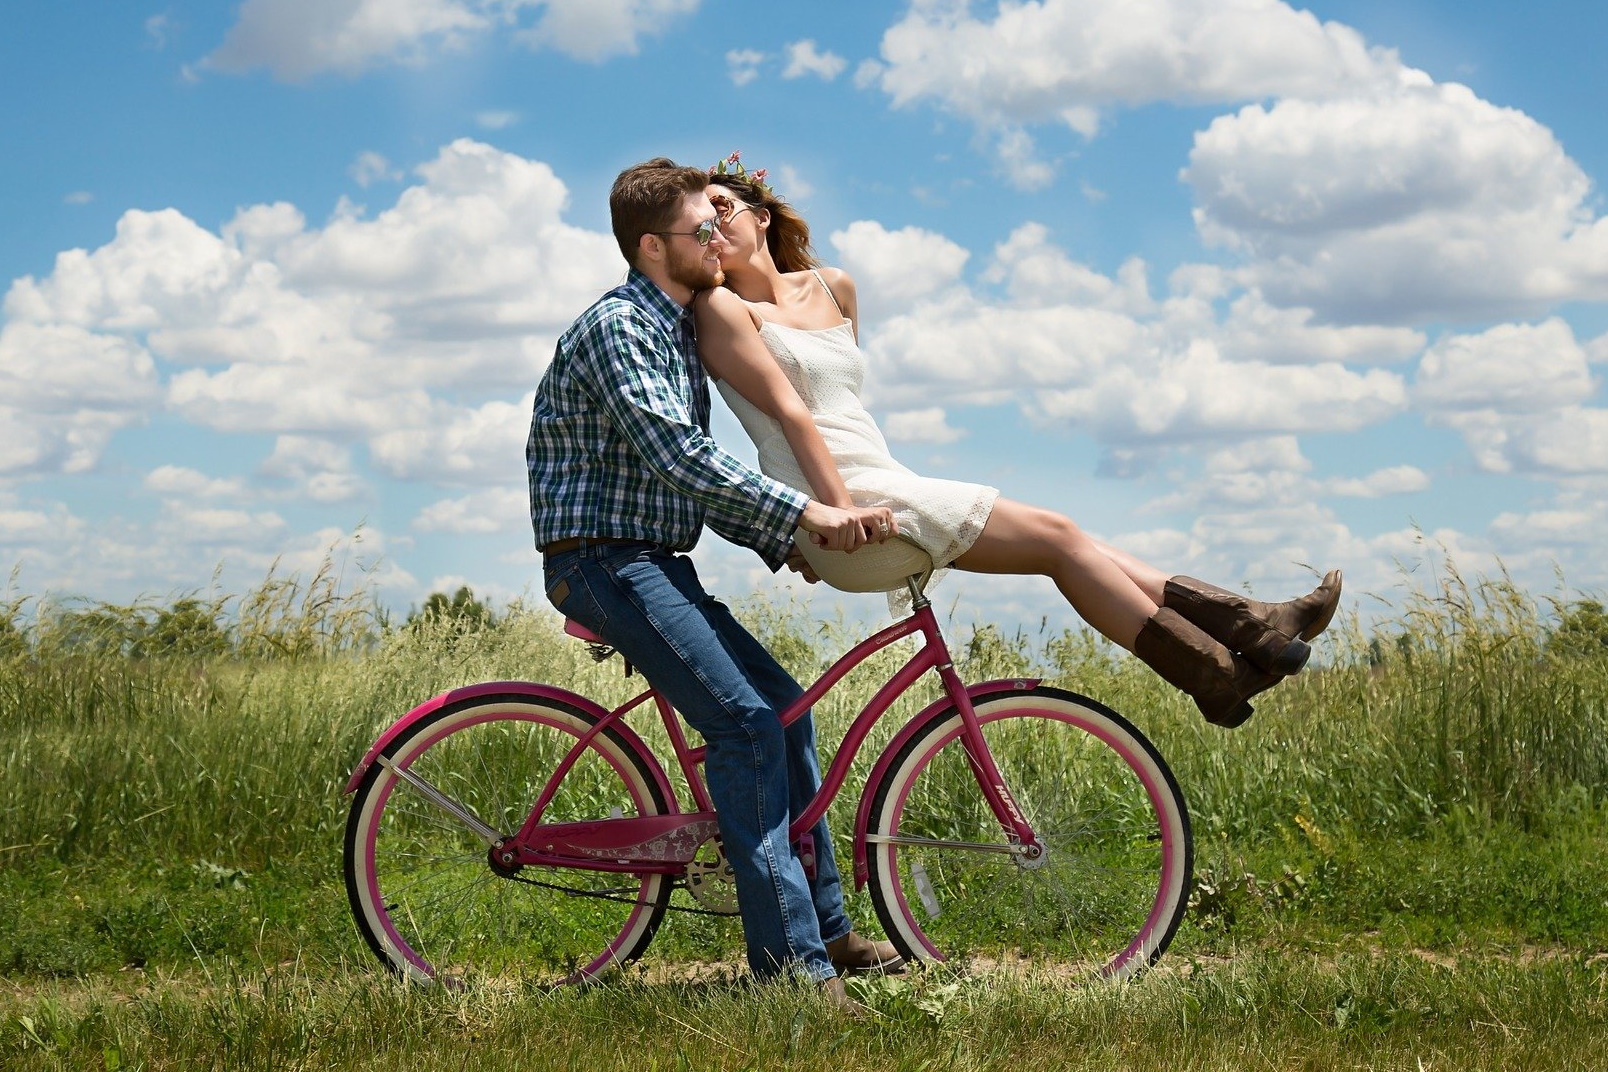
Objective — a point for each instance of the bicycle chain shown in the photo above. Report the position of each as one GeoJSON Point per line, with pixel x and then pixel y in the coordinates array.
{"type": "Point", "coordinates": [604, 895]}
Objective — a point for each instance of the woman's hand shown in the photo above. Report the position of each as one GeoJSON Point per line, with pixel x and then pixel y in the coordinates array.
{"type": "Point", "coordinates": [839, 529]}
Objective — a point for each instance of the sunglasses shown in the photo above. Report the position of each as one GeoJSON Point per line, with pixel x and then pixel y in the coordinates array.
{"type": "Point", "coordinates": [704, 235]}
{"type": "Point", "coordinates": [727, 209]}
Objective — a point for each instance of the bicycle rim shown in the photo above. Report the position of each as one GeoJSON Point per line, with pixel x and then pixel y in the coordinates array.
{"type": "Point", "coordinates": [1111, 888]}
{"type": "Point", "coordinates": [420, 884]}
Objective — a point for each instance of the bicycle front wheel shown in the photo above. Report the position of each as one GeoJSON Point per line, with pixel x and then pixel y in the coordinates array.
{"type": "Point", "coordinates": [421, 885]}
{"type": "Point", "coordinates": [1111, 887]}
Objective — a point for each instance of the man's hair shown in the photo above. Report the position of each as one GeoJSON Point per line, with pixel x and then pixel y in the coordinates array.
{"type": "Point", "coordinates": [646, 198]}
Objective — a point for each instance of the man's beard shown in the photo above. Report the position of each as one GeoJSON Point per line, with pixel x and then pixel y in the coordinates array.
{"type": "Point", "coordinates": [692, 274]}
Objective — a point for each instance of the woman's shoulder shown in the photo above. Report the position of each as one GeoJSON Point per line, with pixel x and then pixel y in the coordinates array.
{"type": "Point", "coordinates": [721, 305]}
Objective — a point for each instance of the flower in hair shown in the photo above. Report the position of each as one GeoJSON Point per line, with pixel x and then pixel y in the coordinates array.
{"type": "Point", "coordinates": [732, 166]}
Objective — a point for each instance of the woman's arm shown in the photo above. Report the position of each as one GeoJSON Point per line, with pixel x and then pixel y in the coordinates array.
{"type": "Point", "coordinates": [731, 349]}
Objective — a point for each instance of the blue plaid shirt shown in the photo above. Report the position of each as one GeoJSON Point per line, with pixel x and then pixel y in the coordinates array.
{"type": "Point", "coordinates": [619, 437]}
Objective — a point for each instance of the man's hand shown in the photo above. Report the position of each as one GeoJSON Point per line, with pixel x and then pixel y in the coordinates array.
{"type": "Point", "coordinates": [801, 565]}
{"type": "Point", "coordinates": [844, 530]}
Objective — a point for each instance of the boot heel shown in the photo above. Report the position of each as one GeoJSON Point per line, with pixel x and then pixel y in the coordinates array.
{"type": "Point", "coordinates": [1292, 658]}
{"type": "Point", "coordinates": [1230, 719]}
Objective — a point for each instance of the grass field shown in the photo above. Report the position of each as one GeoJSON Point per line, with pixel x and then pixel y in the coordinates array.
{"type": "Point", "coordinates": [1401, 861]}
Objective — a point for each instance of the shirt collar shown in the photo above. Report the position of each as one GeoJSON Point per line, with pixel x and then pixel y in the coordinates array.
{"type": "Point", "coordinates": [646, 293]}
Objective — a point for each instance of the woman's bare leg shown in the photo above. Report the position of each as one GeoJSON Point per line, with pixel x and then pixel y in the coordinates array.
{"type": "Point", "coordinates": [1025, 539]}
{"type": "Point", "coordinates": [1151, 581]}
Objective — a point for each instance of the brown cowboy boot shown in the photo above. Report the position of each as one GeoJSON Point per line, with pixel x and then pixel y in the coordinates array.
{"type": "Point", "coordinates": [1219, 681]}
{"type": "Point", "coordinates": [854, 954]}
{"type": "Point", "coordinates": [1270, 635]}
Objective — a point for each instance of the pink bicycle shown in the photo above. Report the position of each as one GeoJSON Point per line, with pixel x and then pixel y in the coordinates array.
{"type": "Point", "coordinates": [508, 825]}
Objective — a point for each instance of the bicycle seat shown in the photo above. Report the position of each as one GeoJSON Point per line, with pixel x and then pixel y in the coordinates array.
{"type": "Point", "coordinates": [876, 567]}
{"type": "Point", "coordinates": [580, 632]}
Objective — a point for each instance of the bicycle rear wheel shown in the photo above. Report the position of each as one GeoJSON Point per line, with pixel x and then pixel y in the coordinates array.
{"type": "Point", "coordinates": [421, 885]}
{"type": "Point", "coordinates": [1108, 893]}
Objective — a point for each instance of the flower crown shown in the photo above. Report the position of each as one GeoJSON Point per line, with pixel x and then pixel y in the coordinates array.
{"type": "Point", "coordinates": [733, 166]}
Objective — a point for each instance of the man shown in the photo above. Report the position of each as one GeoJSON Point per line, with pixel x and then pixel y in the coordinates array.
{"type": "Point", "coordinates": [623, 476]}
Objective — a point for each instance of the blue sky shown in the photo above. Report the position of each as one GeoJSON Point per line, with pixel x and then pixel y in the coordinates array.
{"type": "Point", "coordinates": [1240, 286]}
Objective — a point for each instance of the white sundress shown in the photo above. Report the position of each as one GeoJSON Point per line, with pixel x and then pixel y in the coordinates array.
{"type": "Point", "coordinates": [827, 369]}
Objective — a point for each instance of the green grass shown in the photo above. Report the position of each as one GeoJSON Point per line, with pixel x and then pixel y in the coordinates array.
{"type": "Point", "coordinates": [1402, 858]}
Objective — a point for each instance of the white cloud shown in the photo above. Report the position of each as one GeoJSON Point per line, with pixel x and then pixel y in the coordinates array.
{"type": "Point", "coordinates": [496, 120]}
{"type": "Point", "coordinates": [298, 39]}
{"type": "Point", "coordinates": [1078, 349]}
{"type": "Point", "coordinates": [921, 426]}
{"type": "Point", "coordinates": [460, 287]}
{"type": "Point", "coordinates": [178, 480]}
{"type": "Point", "coordinates": [742, 65]}
{"type": "Point", "coordinates": [1394, 480]}
{"type": "Point", "coordinates": [1416, 204]}
{"type": "Point", "coordinates": [1067, 60]}
{"type": "Point", "coordinates": [1016, 159]}
{"type": "Point", "coordinates": [371, 167]}
{"type": "Point", "coordinates": [803, 58]}
{"type": "Point", "coordinates": [78, 197]}
{"type": "Point", "coordinates": [501, 509]}
{"type": "Point", "coordinates": [317, 469]}
{"type": "Point", "coordinates": [597, 29]}
{"type": "Point", "coordinates": [1513, 368]}
{"type": "Point", "coordinates": [894, 268]}
{"type": "Point", "coordinates": [65, 391]}
{"type": "Point", "coordinates": [460, 446]}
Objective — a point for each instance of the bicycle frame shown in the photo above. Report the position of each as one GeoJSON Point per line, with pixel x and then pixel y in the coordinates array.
{"type": "Point", "coordinates": [664, 844]}
{"type": "Point", "coordinates": [624, 840]}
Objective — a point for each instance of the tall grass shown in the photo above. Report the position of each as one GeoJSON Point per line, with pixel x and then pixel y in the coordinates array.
{"type": "Point", "coordinates": [1451, 718]}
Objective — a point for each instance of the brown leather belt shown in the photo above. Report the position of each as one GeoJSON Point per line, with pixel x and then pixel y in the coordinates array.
{"type": "Point", "coordinates": [558, 547]}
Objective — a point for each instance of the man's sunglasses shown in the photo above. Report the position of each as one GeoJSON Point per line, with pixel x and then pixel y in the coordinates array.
{"type": "Point", "coordinates": [704, 235]}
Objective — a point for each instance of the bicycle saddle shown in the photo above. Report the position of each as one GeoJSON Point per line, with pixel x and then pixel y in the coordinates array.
{"type": "Point", "coordinates": [876, 567]}
{"type": "Point", "coordinates": [580, 632]}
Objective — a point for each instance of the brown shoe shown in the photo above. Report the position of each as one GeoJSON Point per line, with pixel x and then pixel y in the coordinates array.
{"type": "Point", "coordinates": [854, 954]}
{"type": "Point", "coordinates": [837, 996]}
{"type": "Point", "coordinates": [1219, 681]}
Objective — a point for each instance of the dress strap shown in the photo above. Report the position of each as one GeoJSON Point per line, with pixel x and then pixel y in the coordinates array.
{"type": "Point", "coordinates": [822, 280]}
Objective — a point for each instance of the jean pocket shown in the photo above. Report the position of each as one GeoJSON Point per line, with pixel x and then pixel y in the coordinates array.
{"type": "Point", "coordinates": [557, 584]}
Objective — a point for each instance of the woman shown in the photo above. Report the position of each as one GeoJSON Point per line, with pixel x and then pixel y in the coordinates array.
{"type": "Point", "coordinates": [781, 338]}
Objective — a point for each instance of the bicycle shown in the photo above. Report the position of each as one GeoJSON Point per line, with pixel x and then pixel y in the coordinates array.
{"type": "Point", "coordinates": [510, 822]}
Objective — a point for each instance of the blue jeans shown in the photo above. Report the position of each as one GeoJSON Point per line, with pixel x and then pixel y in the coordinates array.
{"type": "Point", "coordinates": [648, 603]}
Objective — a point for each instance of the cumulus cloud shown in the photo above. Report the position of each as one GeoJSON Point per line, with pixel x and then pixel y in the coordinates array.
{"type": "Point", "coordinates": [742, 65]}
{"type": "Point", "coordinates": [1354, 188]}
{"type": "Point", "coordinates": [183, 481]}
{"type": "Point", "coordinates": [484, 445]}
{"type": "Point", "coordinates": [502, 509]}
{"type": "Point", "coordinates": [1417, 204]}
{"type": "Point", "coordinates": [371, 167]}
{"type": "Point", "coordinates": [894, 268]}
{"type": "Point", "coordinates": [804, 58]}
{"type": "Point", "coordinates": [1068, 60]}
{"type": "Point", "coordinates": [1518, 393]}
{"type": "Point", "coordinates": [272, 326]}
{"type": "Point", "coordinates": [298, 39]}
{"type": "Point", "coordinates": [928, 425]}
{"type": "Point", "coordinates": [1077, 349]}
{"type": "Point", "coordinates": [65, 391]}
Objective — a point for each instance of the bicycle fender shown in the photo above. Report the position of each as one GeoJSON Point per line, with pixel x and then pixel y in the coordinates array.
{"type": "Point", "coordinates": [524, 689]}
{"type": "Point", "coordinates": [978, 692]}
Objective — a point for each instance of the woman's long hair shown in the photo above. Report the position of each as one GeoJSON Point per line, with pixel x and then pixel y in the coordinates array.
{"type": "Point", "coordinates": [788, 236]}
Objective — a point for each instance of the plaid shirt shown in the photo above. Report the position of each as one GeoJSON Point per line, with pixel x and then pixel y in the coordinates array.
{"type": "Point", "coordinates": [619, 438]}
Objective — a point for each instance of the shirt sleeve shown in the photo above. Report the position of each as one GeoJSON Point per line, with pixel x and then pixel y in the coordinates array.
{"type": "Point", "coordinates": [629, 364]}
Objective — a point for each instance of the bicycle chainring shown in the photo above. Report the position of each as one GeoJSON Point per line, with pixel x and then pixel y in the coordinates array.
{"type": "Point", "coordinates": [710, 879]}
